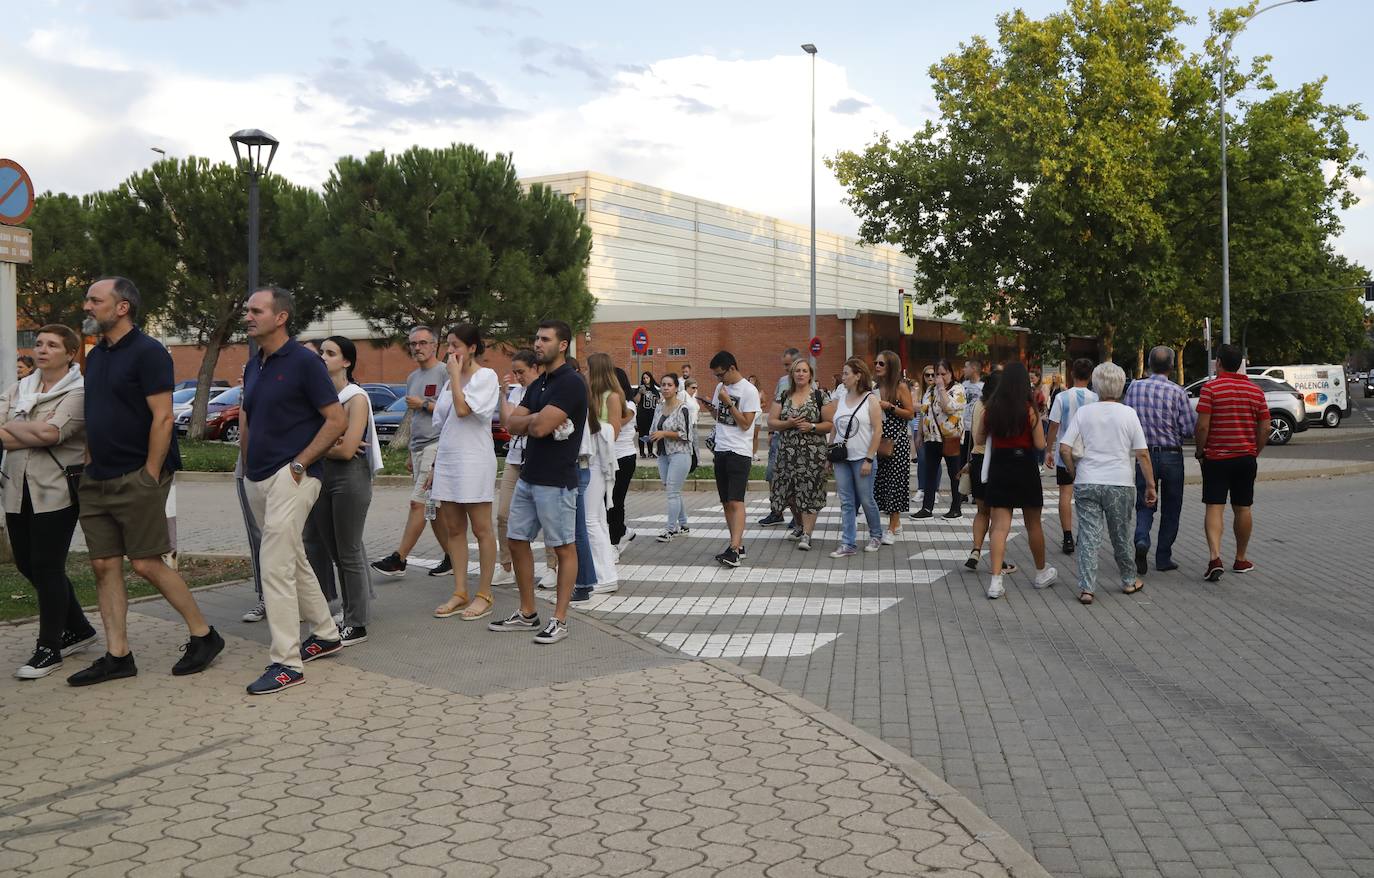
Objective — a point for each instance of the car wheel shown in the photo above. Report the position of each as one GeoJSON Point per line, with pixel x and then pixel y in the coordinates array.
{"type": "Point", "coordinates": [1280, 428]}
{"type": "Point", "coordinates": [1332, 417]}
{"type": "Point", "coordinates": [231, 432]}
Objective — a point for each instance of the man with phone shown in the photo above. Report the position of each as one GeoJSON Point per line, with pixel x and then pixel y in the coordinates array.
{"type": "Point", "coordinates": [735, 405]}
{"type": "Point", "coordinates": [422, 390]}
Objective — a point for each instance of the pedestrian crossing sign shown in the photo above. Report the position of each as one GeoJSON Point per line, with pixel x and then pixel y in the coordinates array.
{"type": "Point", "coordinates": [908, 312]}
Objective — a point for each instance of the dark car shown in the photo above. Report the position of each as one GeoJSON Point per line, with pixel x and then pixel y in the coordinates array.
{"type": "Point", "coordinates": [221, 417]}
{"type": "Point", "coordinates": [388, 421]}
{"type": "Point", "coordinates": [383, 395]}
{"type": "Point", "coordinates": [1369, 384]}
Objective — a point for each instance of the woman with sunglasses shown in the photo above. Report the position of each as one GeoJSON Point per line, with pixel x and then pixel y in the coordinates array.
{"type": "Point", "coordinates": [892, 481]}
{"type": "Point", "coordinates": [942, 431]}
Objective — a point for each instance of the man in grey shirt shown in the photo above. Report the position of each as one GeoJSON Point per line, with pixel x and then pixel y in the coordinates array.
{"type": "Point", "coordinates": [422, 389]}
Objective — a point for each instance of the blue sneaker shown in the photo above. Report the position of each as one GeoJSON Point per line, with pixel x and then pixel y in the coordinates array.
{"type": "Point", "coordinates": [275, 679]}
{"type": "Point", "coordinates": [314, 647]}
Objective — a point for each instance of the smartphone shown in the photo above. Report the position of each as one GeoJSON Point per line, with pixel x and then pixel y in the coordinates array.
{"type": "Point", "coordinates": [431, 390]}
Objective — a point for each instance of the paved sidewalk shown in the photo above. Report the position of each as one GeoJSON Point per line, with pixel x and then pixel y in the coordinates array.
{"type": "Point", "coordinates": [676, 768]}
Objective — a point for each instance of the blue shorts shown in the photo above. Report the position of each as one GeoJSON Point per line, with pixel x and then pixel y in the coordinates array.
{"type": "Point", "coordinates": [542, 507]}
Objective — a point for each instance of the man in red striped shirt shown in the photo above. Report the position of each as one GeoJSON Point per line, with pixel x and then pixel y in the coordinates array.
{"type": "Point", "coordinates": [1232, 428]}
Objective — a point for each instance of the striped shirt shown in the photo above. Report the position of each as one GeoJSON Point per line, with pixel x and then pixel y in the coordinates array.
{"type": "Point", "coordinates": [1163, 409]}
{"type": "Point", "coordinates": [1237, 407]}
{"type": "Point", "coordinates": [1062, 411]}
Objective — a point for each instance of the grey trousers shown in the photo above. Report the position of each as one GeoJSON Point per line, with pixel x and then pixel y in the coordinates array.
{"type": "Point", "coordinates": [254, 533]}
{"type": "Point", "coordinates": [337, 521]}
{"type": "Point", "coordinates": [1106, 513]}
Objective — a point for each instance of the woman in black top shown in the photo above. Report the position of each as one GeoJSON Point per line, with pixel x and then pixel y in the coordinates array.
{"type": "Point", "coordinates": [646, 400]}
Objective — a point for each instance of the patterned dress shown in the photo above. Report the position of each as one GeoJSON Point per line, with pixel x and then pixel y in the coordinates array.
{"type": "Point", "coordinates": [801, 469]}
{"type": "Point", "coordinates": [892, 482]}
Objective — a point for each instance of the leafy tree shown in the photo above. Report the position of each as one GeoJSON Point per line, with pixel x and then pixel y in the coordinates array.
{"type": "Point", "coordinates": [195, 214]}
{"type": "Point", "coordinates": [66, 259]}
{"type": "Point", "coordinates": [435, 236]}
{"type": "Point", "coordinates": [1070, 185]}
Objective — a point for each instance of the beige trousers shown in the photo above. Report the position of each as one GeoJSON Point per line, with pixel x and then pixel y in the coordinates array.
{"type": "Point", "coordinates": [289, 587]}
{"type": "Point", "coordinates": [509, 476]}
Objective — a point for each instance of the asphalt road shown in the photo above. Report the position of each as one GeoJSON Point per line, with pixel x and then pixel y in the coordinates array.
{"type": "Point", "coordinates": [1352, 440]}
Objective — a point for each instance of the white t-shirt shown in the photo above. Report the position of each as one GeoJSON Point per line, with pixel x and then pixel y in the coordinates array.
{"type": "Point", "coordinates": [515, 451]}
{"type": "Point", "coordinates": [1062, 411]}
{"type": "Point", "coordinates": [861, 433]}
{"type": "Point", "coordinates": [1111, 435]}
{"type": "Point", "coordinates": [729, 436]}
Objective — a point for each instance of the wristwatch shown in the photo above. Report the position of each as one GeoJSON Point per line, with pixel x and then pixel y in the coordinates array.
{"type": "Point", "coordinates": [297, 468]}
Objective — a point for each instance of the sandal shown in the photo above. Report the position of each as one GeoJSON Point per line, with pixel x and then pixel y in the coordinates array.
{"type": "Point", "coordinates": [470, 616]}
{"type": "Point", "coordinates": [1085, 598]}
{"type": "Point", "coordinates": [451, 607]}
{"type": "Point", "coordinates": [1132, 589]}
{"type": "Point", "coordinates": [973, 556]}
{"type": "Point", "coordinates": [1008, 568]}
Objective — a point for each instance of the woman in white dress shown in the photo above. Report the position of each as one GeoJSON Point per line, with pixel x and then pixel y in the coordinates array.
{"type": "Point", "coordinates": [464, 479]}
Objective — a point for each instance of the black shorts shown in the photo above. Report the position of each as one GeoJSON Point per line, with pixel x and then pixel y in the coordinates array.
{"type": "Point", "coordinates": [732, 475]}
{"type": "Point", "coordinates": [1234, 476]}
{"type": "Point", "coordinates": [1014, 480]}
{"type": "Point", "coordinates": [1062, 477]}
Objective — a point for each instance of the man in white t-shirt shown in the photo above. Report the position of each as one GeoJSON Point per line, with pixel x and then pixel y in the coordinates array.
{"type": "Point", "coordinates": [735, 406]}
{"type": "Point", "coordinates": [1060, 416]}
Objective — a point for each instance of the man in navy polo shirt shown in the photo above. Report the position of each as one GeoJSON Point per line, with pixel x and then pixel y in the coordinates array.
{"type": "Point", "coordinates": [291, 412]}
{"type": "Point", "coordinates": [133, 454]}
{"type": "Point", "coordinates": [551, 416]}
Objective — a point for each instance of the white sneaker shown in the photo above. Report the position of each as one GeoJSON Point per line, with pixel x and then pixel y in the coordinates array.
{"type": "Point", "coordinates": [874, 544]}
{"type": "Point", "coordinates": [995, 589]}
{"type": "Point", "coordinates": [1046, 578]}
{"type": "Point", "coordinates": [889, 537]}
{"type": "Point", "coordinates": [606, 587]}
{"type": "Point", "coordinates": [257, 614]}
{"type": "Point", "coordinates": [503, 576]}
{"type": "Point", "coordinates": [548, 580]}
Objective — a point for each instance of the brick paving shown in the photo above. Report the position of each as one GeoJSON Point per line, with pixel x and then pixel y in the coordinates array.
{"type": "Point", "coordinates": [1191, 729]}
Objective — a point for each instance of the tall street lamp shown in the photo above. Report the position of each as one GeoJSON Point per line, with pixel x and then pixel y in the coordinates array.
{"type": "Point", "coordinates": [1225, 217]}
{"type": "Point", "coordinates": [253, 142]}
{"type": "Point", "coordinates": [810, 49]}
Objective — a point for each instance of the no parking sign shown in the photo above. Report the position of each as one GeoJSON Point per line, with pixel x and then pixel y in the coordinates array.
{"type": "Point", "coordinates": [16, 193]}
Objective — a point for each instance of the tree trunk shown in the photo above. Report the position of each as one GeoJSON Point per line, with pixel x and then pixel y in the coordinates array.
{"type": "Point", "coordinates": [213, 344]}
{"type": "Point", "coordinates": [1178, 361]}
{"type": "Point", "coordinates": [1107, 348]}
{"type": "Point", "coordinates": [1140, 361]}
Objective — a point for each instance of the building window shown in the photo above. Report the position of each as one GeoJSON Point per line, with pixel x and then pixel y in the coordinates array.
{"type": "Point", "coordinates": [27, 338]}
{"type": "Point", "coordinates": [677, 352]}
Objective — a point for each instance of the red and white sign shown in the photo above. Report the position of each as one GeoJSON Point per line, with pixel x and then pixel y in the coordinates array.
{"type": "Point", "coordinates": [639, 340]}
{"type": "Point", "coordinates": [815, 346]}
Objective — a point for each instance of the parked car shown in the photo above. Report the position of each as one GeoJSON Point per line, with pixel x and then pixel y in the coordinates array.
{"type": "Point", "coordinates": [388, 421]}
{"type": "Point", "coordinates": [1287, 411]}
{"type": "Point", "coordinates": [1324, 389]}
{"type": "Point", "coordinates": [182, 400]}
{"type": "Point", "coordinates": [191, 383]}
{"type": "Point", "coordinates": [1369, 385]}
{"type": "Point", "coordinates": [221, 417]}
{"type": "Point", "coordinates": [383, 395]}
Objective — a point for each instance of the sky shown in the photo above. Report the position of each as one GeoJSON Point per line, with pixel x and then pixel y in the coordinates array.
{"type": "Point", "coordinates": [711, 99]}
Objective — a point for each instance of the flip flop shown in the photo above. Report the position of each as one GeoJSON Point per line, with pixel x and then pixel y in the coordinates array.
{"type": "Point", "coordinates": [451, 607]}
{"type": "Point", "coordinates": [1132, 589]}
{"type": "Point", "coordinates": [470, 616]}
{"type": "Point", "coordinates": [1085, 598]}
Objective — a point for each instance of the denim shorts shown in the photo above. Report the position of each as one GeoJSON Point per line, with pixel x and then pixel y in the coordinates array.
{"type": "Point", "coordinates": [542, 507]}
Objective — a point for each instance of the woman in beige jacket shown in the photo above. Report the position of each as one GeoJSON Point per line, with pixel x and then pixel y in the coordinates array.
{"type": "Point", "coordinates": [43, 429]}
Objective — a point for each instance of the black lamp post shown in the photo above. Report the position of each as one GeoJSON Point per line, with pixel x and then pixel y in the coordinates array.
{"type": "Point", "coordinates": [253, 142]}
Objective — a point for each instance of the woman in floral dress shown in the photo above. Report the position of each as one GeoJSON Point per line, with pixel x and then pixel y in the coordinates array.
{"type": "Point", "coordinates": [802, 418]}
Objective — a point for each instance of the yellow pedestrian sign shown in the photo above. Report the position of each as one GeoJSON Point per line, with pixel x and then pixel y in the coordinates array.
{"type": "Point", "coordinates": [908, 312]}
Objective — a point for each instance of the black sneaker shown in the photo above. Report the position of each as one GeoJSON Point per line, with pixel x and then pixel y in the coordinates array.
{"type": "Point", "coordinates": [742, 553]}
{"type": "Point", "coordinates": [684, 530]}
{"type": "Point", "coordinates": [391, 565]}
{"type": "Point", "coordinates": [1068, 542]}
{"type": "Point", "coordinates": [794, 524]}
{"type": "Point", "coordinates": [1142, 564]}
{"type": "Point", "coordinates": [582, 594]}
{"type": "Point", "coordinates": [728, 558]}
{"type": "Point", "coordinates": [352, 634]}
{"type": "Point", "coordinates": [772, 519]}
{"type": "Point", "coordinates": [317, 647]}
{"type": "Point", "coordinates": [923, 513]}
{"type": "Point", "coordinates": [75, 642]}
{"type": "Point", "coordinates": [200, 651]}
{"type": "Point", "coordinates": [515, 622]}
{"type": "Point", "coordinates": [954, 512]}
{"type": "Point", "coordinates": [552, 633]}
{"type": "Point", "coordinates": [443, 568]}
{"type": "Point", "coordinates": [43, 663]}
{"type": "Point", "coordinates": [107, 667]}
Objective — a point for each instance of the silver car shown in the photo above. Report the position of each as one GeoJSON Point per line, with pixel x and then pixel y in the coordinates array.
{"type": "Point", "coordinates": [1287, 411]}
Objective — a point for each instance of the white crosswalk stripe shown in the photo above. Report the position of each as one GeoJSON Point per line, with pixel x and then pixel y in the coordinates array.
{"type": "Point", "coordinates": [614, 604]}
{"type": "Point", "coordinates": [742, 645]}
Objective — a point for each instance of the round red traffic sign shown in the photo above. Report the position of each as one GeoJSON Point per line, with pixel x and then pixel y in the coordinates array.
{"type": "Point", "coordinates": [639, 341]}
{"type": "Point", "coordinates": [16, 193]}
{"type": "Point", "coordinates": [815, 346]}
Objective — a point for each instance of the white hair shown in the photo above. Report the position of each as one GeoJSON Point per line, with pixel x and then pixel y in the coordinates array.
{"type": "Point", "coordinates": [1109, 381]}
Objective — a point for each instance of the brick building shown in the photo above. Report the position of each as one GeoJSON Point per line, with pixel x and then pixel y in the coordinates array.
{"type": "Point", "coordinates": [700, 277]}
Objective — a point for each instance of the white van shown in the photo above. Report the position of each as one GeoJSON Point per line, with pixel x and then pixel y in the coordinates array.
{"type": "Point", "coordinates": [1323, 389]}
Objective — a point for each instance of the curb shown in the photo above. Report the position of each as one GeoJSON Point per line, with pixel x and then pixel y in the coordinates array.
{"type": "Point", "coordinates": [1008, 851]}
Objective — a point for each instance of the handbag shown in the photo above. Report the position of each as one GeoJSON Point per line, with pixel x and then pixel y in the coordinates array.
{"type": "Point", "coordinates": [838, 452]}
{"type": "Point", "coordinates": [72, 474]}
{"type": "Point", "coordinates": [966, 481]}
{"type": "Point", "coordinates": [950, 447]}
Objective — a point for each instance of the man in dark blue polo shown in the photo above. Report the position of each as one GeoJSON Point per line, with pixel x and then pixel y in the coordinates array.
{"type": "Point", "coordinates": [290, 417]}
{"type": "Point", "coordinates": [133, 454]}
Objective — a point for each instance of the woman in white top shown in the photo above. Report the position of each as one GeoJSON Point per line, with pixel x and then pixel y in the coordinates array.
{"type": "Point", "coordinates": [857, 413]}
{"type": "Point", "coordinates": [340, 514]}
{"type": "Point", "coordinates": [1111, 442]}
{"type": "Point", "coordinates": [524, 368]}
{"type": "Point", "coordinates": [464, 479]}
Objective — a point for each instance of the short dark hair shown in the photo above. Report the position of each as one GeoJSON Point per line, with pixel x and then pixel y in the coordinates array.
{"type": "Point", "coordinates": [791, 352]}
{"type": "Point", "coordinates": [282, 300]}
{"type": "Point", "coordinates": [526, 356]}
{"type": "Point", "coordinates": [29, 361]}
{"type": "Point", "coordinates": [469, 335]}
{"type": "Point", "coordinates": [561, 330]}
{"type": "Point", "coordinates": [1161, 359]}
{"type": "Point", "coordinates": [349, 351]}
{"type": "Point", "coordinates": [71, 342]}
{"type": "Point", "coordinates": [1082, 369]}
{"type": "Point", "coordinates": [1230, 357]}
{"type": "Point", "coordinates": [125, 291]}
{"type": "Point", "coordinates": [724, 360]}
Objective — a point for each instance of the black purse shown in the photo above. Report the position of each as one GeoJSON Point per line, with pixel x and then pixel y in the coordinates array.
{"type": "Point", "coordinates": [838, 452]}
{"type": "Point", "coordinates": [72, 474]}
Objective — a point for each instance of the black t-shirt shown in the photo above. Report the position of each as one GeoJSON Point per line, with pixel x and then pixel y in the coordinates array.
{"type": "Point", "coordinates": [119, 380]}
{"type": "Point", "coordinates": [648, 400]}
{"type": "Point", "coordinates": [549, 461]}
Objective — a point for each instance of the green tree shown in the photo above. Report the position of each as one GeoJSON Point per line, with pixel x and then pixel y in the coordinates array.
{"type": "Point", "coordinates": [66, 259]}
{"type": "Point", "coordinates": [195, 214]}
{"type": "Point", "coordinates": [435, 236]}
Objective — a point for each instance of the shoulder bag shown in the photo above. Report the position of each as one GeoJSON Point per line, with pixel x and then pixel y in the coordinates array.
{"type": "Point", "coordinates": [72, 474]}
{"type": "Point", "coordinates": [838, 452]}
